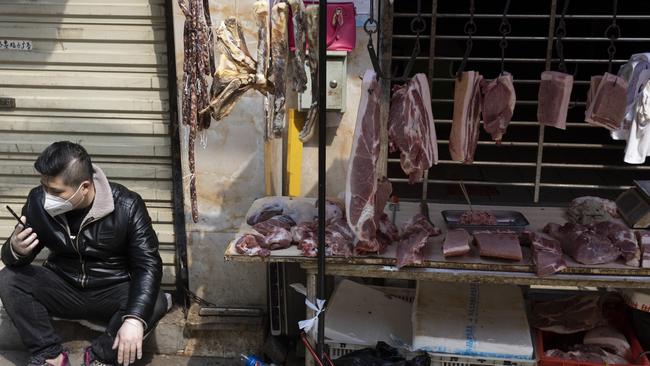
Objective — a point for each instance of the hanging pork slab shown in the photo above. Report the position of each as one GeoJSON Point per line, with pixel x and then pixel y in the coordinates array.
{"type": "Point", "coordinates": [553, 99]}
{"type": "Point", "coordinates": [467, 114]}
{"type": "Point", "coordinates": [411, 129]}
{"type": "Point", "coordinates": [607, 107]}
{"type": "Point", "coordinates": [363, 190]}
{"type": "Point", "coordinates": [497, 104]}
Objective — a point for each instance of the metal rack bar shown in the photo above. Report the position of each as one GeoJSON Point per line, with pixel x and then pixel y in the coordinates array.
{"type": "Point", "coordinates": [528, 16]}
{"type": "Point", "coordinates": [522, 59]}
{"type": "Point", "coordinates": [531, 123]}
{"type": "Point", "coordinates": [524, 39]}
{"type": "Point", "coordinates": [516, 184]}
{"type": "Point", "coordinates": [545, 165]}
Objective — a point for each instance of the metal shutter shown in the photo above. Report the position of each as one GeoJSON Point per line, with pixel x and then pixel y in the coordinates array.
{"type": "Point", "coordinates": [579, 161]}
{"type": "Point", "coordinates": [97, 75]}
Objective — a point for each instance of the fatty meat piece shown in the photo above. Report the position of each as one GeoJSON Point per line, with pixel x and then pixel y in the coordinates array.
{"type": "Point", "coordinates": [553, 99]}
{"type": "Point", "coordinates": [251, 245]}
{"type": "Point", "coordinates": [497, 104]}
{"type": "Point", "coordinates": [456, 243]}
{"type": "Point", "coordinates": [498, 245]}
{"type": "Point", "coordinates": [607, 108]}
{"type": "Point", "coordinates": [467, 116]}
{"type": "Point", "coordinates": [411, 129]}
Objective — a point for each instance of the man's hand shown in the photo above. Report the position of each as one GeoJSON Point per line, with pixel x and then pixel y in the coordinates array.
{"type": "Point", "coordinates": [23, 241]}
{"type": "Point", "coordinates": [128, 341]}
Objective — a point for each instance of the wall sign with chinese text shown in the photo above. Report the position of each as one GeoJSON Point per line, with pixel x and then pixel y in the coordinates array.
{"type": "Point", "coordinates": [16, 45]}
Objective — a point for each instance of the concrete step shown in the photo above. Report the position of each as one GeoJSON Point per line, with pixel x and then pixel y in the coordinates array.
{"type": "Point", "coordinates": [19, 358]}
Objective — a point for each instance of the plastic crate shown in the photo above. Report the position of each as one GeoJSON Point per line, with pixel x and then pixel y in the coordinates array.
{"type": "Point", "coordinates": [541, 338]}
{"type": "Point", "coordinates": [443, 359]}
{"type": "Point", "coordinates": [337, 349]}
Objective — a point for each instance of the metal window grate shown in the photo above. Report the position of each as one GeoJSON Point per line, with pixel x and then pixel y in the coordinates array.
{"type": "Point", "coordinates": [583, 160]}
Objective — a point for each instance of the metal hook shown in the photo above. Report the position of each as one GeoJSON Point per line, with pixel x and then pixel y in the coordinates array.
{"type": "Point", "coordinates": [469, 29]}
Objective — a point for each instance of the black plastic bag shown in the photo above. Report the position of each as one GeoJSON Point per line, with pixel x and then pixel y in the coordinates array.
{"type": "Point", "coordinates": [381, 355]}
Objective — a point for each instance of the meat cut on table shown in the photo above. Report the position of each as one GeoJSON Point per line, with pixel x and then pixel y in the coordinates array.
{"type": "Point", "coordinates": [497, 104]}
{"type": "Point", "coordinates": [583, 243]}
{"type": "Point", "coordinates": [553, 99]}
{"type": "Point", "coordinates": [500, 245]}
{"type": "Point", "coordinates": [547, 254]}
{"type": "Point", "coordinates": [475, 217]}
{"type": "Point", "coordinates": [456, 243]}
{"type": "Point", "coordinates": [415, 235]}
{"type": "Point", "coordinates": [411, 129]}
{"type": "Point", "coordinates": [623, 238]}
{"type": "Point", "coordinates": [463, 138]}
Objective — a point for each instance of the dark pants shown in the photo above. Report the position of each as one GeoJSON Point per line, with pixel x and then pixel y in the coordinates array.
{"type": "Point", "coordinates": [32, 294]}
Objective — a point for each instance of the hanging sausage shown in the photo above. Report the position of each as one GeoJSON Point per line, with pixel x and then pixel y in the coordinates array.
{"type": "Point", "coordinates": [198, 66]}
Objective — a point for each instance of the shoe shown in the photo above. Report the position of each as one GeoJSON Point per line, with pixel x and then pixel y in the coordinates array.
{"type": "Point", "coordinates": [40, 361]}
{"type": "Point", "coordinates": [90, 360]}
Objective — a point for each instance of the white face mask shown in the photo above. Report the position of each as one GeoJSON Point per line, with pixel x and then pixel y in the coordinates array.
{"type": "Point", "coordinates": [55, 205]}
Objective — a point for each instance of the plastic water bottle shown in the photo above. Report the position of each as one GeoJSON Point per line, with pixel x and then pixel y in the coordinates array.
{"type": "Point", "coordinates": [252, 360]}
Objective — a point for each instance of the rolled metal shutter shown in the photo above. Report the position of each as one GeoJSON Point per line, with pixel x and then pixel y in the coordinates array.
{"type": "Point", "coordinates": [92, 72]}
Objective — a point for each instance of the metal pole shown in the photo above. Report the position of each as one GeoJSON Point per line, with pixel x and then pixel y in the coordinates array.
{"type": "Point", "coordinates": [540, 143]}
{"type": "Point", "coordinates": [322, 172]}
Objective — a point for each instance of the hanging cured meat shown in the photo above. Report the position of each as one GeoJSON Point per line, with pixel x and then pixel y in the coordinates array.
{"type": "Point", "coordinates": [198, 66]}
{"type": "Point", "coordinates": [298, 55]}
{"type": "Point", "coordinates": [277, 75]}
{"type": "Point", "coordinates": [467, 111]}
{"type": "Point", "coordinates": [497, 105]}
{"type": "Point", "coordinates": [238, 72]}
{"type": "Point", "coordinates": [553, 99]}
{"type": "Point", "coordinates": [311, 24]}
{"type": "Point", "coordinates": [411, 129]}
{"type": "Point", "coordinates": [606, 107]}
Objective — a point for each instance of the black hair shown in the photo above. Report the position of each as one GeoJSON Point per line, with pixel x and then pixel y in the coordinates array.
{"type": "Point", "coordinates": [67, 160]}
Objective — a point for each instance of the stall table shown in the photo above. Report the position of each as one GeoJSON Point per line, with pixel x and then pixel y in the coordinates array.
{"type": "Point", "coordinates": [470, 268]}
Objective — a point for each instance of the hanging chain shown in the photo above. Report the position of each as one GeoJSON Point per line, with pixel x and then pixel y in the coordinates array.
{"type": "Point", "coordinates": [613, 32]}
{"type": "Point", "coordinates": [560, 32]}
{"type": "Point", "coordinates": [505, 29]}
{"type": "Point", "coordinates": [469, 29]}
{"type": "Point", "coordinates": [418, 26]}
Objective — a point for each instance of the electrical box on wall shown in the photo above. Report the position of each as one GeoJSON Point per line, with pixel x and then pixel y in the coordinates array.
{"type": "Point", "coordinates": [336, 84]}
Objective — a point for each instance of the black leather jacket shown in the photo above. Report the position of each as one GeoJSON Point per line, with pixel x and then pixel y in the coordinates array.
{"type": "Point", "coordinates": [119, 246]}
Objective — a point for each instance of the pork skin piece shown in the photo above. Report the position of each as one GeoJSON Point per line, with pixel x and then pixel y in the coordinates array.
{"type": "Point", "coordinates": [467, 114]}
{"type": "Point", "coordinates": [298, 55]}
{"type": "Point", "coordinates": [251, 244]}
{"type": "Point", "coordinates": [568, 315]}
{"type": "Point", "coordinates": [643, 238]}
{"type": "Point", "coordinates": [609, 339]}
{"type": "Point", "coordinates": [411, 127]}
{"type": "Point", "coordinates": [547, 255]}
{"type": "Point", "coordinates": [498, 245]}
{"type": "Point", "coordinates": [456, 243]}
{"type": "Point", "coordinates": [607, 108]}
{"type": "Point", "coordinates": [279, 58]}
{"type": "Point", "coordinates": [583, 244]}
{"type": "Point", "coordinates": [553, 99]}
{"type": "Point", "coordinates": [497, 104]}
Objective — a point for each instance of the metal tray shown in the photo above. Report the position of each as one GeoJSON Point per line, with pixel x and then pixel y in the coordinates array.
{"type": "Point", "coordinates": [506, 220]}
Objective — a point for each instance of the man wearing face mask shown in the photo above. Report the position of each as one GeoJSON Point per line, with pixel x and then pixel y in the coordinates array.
{"type": "Point", "coordinates": [103, 264]}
